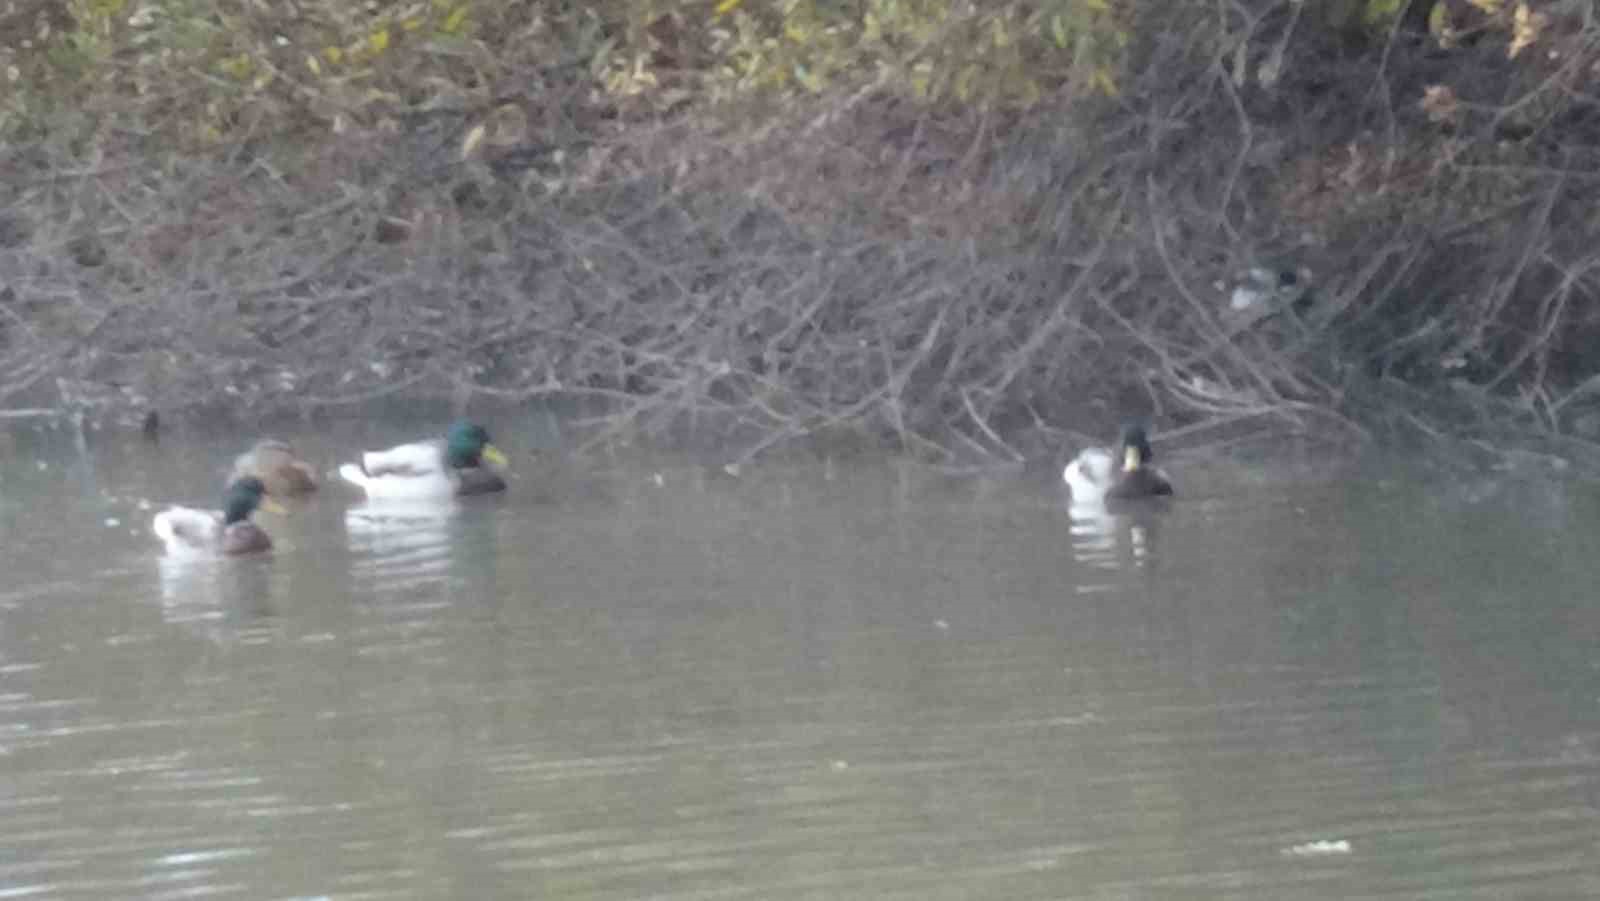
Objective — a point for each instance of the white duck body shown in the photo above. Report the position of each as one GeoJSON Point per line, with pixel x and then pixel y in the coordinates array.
{"type": "Point", "coordinates": [1089, 476]}
{"type": "Point", "coordinates": [415, 471]}
{"type": "Point", "coordinates": [186, 530]}
{"type": "Point", "coordinates": [454, 466]}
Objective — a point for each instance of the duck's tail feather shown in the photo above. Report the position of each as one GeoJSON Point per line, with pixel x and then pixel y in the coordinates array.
{"type": "Point", "coordinates": [354, 474]}
{"type": "Point", "coordinates": [162, 526]}
{"type": "Point", "coordinates": [421, 456]}
{"type": "Point", "coordinates": [181, 527]}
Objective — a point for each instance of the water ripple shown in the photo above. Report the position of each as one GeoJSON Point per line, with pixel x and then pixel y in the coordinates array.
{"type": "Point", "coordinates": [770, 684]}
{"type": "Point", "coordinates": [396, 546]}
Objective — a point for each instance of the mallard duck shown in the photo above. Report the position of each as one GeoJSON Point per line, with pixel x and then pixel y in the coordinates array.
{"type": "Point", "coordinates": [278, 467]}
{"type": "Point", "coordinates": [452, 466]}
{"type": "Point", "coordinates": [187, 530]}
{"type": "Point", "coordinates": [1093, 476]}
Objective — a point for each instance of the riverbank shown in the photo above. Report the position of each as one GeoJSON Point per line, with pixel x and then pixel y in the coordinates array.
{"type": "Point", "coordinates": [1304, 255]}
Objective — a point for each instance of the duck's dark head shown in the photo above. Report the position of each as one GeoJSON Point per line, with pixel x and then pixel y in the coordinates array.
{"type": "Point", "coordinates": [244, 495]}
{"type": "Point", "coordinates": [1136, 451]}
{"type": "Point", "coordinates": [467, 444]}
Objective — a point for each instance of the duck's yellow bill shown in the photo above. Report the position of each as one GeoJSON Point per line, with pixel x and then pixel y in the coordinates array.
{"type": "Point", "coordinates": [272, 506]}
{"type": "Point", "coordinates": [1130, 459]}
{"type": "Point", "coordinates": [493, 455]}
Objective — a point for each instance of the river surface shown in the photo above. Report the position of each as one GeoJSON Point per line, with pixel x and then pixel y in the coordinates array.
{"type": "Point", "coordinates": [799, 681]}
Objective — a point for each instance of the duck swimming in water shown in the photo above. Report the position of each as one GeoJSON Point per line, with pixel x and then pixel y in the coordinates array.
{"type": "Point", "coordinates": [456, 465]}
{"type": "Point", "coordinates": [278, 467]}
{"type": "Point", "coordinates": [1094, 476]}
{"type": "Point", "coordinates": [187, 530]}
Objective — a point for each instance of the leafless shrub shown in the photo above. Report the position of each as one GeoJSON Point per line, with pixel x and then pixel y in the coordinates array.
{"type": "Point", "coordinates": [968, 284]}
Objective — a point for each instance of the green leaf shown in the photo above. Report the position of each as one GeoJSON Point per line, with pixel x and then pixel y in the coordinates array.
{"type": "Point", "coordinates": [1381, 12]}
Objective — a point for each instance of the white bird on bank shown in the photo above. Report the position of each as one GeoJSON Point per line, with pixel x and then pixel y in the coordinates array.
{"type": "Point", "coordinates": [1269, 289]}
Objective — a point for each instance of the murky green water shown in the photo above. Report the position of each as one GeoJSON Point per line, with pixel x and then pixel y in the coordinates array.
{"type": "Point", "coordinates": [799, 682]}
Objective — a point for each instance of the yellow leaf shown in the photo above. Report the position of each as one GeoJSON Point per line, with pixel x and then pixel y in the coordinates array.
{"type": "Point", "coordinates": [237, 66]}
{"type": "Point", "coordinates": [410, 23]}
{"type": "Point", "coordinates": [332, 54]}
{"type": "Point", "coordinates": [379, 41]}
{"type": "Point", "coordinates": [727, 6]}
{"type": "Point", "coordinates": [872, 29]}
{"type": "Point", "coordinates": [1439, 19]}
{"type": "Point", "coordinates": [472, 140]}
{"type": "Point", "coordinates": [1099, 6]}
{"type": "Point", "coordinates": [1102, 79]}
{"type": "Point", "coordinates": [1440, 26]}
{"type": "Point", "coordinates": [454, 21]}
{"type": "Point", "coordinates": [1526, 26]}
{"type": "Point", "coordinates": [1058, 30]}
{"type": "Point", "coordinates": [965, 80]}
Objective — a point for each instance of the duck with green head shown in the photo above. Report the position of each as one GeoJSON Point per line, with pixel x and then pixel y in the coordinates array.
{"type": "Point", "coordinates": [1094, 476]}
{"type": "Point", "coordinates": [188, 530]}
{"type": "Point", "coordinates": [464, 462]}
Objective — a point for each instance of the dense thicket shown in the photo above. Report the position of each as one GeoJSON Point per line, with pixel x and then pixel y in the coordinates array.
{"type": "Point", "coordinates": [961, 225]}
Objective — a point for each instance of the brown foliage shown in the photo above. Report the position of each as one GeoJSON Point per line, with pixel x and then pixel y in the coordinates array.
{"type": "Point", "coordinates": [966, 281]}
